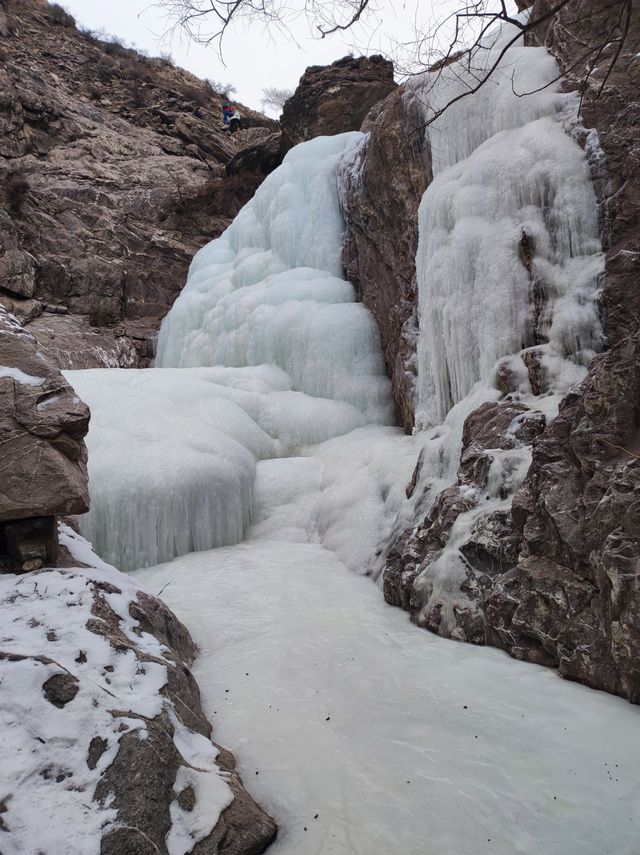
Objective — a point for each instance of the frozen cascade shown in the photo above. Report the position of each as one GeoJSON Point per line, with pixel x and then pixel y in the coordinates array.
{"type": "Point", "coordinates": [362, 735]}
{"type": "Point", "coordinates": [269, 290]}
{"type": "Point", "coordinates": [478, 302]}
{"type": "Point", "coordinates": [294, 361]}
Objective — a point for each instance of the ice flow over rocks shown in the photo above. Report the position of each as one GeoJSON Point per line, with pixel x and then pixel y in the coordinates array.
{"type": "Point", "coordinates": [294, 361]}
{"type": "Point", "coordinates": [508, 268]}
{"type": "Point", "coordinates": [509, 254]}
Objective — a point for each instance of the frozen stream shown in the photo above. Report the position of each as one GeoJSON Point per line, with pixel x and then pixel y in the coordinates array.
{"type": "Point", "coordinates": [372, 737]}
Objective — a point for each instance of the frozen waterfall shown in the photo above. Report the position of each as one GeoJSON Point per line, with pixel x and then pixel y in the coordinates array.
{"type": "Point", "coordinates": [509, 254]}
{"type": "Point", "coordinates": [294, 361]}
{"type": "Point", "coordinates": [269, 421]}
{"type": "Point", "coordinates": [270, 290]}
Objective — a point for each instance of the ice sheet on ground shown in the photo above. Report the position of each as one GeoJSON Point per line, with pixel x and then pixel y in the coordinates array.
{"type": "Point", "coordinates": [372, 737]}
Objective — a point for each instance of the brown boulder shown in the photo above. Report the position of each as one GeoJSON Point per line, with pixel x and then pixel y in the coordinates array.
{"type": "Point", "coordinates": [335, 98]}
{"type": "Point", "coordinates": [42, 425]}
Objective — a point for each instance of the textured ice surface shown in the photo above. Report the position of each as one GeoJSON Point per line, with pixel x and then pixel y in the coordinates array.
{"type": "Point", "coordinates": [171, 464]}
{"type": "Point", "coordinates": [173, 452]}
{"type": "Point", "coordinates": [268, 290]}
{"type": "Point", "coordinates": [504, 168]}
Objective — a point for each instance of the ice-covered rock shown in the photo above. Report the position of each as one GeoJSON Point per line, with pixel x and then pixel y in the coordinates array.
{"type": "Point", "coordinates": [535, 568]}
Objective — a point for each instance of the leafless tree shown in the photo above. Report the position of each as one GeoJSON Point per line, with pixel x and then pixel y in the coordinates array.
{"type": "Point", "coordinates": [274, 98]}
{"type": "Point", "coordinates": [465, 34]}
{"type": "Point", "coordinates": [206, 21]}
{"type": "Point", "coordinates": [461, 36]}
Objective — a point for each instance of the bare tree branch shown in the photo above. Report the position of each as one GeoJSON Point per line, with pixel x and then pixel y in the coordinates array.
{"type": "Point", "coordinates": [465, 31]}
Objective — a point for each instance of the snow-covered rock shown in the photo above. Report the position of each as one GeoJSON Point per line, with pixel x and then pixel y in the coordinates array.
{"type": "Point", "coordinates": [102, 724]}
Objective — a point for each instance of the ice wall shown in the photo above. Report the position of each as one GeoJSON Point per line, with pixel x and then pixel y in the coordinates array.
{"type": "Point", "coordinates": [269, 290]}
{"type": "Point", "coordinates": [508, 267]}
{"type": "Point", "coordinates": [509, 255]}
{"type": "Point", "coordinates": [264, 354]}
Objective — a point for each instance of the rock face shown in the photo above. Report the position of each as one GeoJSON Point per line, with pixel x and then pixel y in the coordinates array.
{"type": "Point", "coordinates": [440, 576]}
{"type": "Point", "coordinates": [555, 579]}
{"type": "Point", "coordinates": [334, 99]}
{"type": "Point", "coordinates": [42, 453]}
{"type": "Point", "coordinates": [381, 210]}
{"type": "Point", "coordinates": [108, 729]}
{"type": "Point", "coordinates": [112, 174]}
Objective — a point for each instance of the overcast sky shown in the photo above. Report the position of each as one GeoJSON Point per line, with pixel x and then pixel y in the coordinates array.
{"type": "Point", "coordinates": [254, 57]}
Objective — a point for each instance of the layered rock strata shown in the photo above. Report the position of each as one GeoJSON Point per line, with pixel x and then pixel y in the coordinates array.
{"type": "Point", "coordinates": [112, 175]}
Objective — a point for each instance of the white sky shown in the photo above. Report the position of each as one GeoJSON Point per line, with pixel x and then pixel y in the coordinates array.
{"type": "Point", "coordinates": [254, 57]}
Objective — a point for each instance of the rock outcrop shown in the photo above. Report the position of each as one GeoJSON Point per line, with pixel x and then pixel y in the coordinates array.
{"type": "Point", "coordinates": [42, 452]}
{"type": "Point", "coordinates": [553, 577]}
{"type": "Point", "coordinates": [108, 734]}
{"type": "Point", "coordinates": [112, 175]}
{"type": "Point", "coordinates": [384, 189]}
{"type": "Point", "coordinates": [335, 98]}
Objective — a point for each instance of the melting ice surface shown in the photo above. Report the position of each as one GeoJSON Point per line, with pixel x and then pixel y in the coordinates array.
{"type": "Point", "coordinates": [360, 733]}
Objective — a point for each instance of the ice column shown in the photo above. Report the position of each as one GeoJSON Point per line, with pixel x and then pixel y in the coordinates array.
{"type": "Point", "coordinates": [511, 211]}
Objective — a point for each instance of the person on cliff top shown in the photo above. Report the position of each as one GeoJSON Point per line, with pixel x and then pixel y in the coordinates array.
{"type": "Point", "coordinates": [234, 121]}
{"type": "Point", "coordinates": [227, 111]}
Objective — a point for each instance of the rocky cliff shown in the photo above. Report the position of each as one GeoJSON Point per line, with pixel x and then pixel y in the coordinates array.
{"type": "Point", "coordinates": [112, 175]}
{"type": "Point", "coordinates": [554, 579]}
{"type": "Point", "coordinates": [572, 599]}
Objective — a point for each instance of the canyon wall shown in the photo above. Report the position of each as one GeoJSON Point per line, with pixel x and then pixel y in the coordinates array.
{"type": "Point", "coordinates": [554, 577]}
{"type": "Point", "coordinates": [112, 175]}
